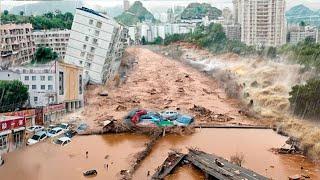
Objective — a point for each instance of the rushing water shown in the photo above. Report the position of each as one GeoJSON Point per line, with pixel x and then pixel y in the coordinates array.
{"type": "Point", "coordinates": [254, 144]}
{"type": "Point", "coordinates": [46, 161]}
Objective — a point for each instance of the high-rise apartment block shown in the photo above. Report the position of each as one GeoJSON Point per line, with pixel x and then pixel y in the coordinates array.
{"type": "Point", "coordinates": [126, 5]}
{"type": "Point", "coordinates": [96, 43]}
{"type": "Point", "coordinates": [262, 21]}
{"type": "Point", "coordinates": [16, 44]}
{"type": "Point", "coordinates": [55, 39]}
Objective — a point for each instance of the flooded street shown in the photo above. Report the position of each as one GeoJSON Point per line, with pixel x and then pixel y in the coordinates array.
{"type": "Point", "coordinates": [254, 144]}
{"type": "Point", "coordinates": [47, 161]}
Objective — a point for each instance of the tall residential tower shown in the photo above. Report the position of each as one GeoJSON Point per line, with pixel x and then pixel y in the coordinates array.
{"type": "Point", "coordinates": [262, 21]}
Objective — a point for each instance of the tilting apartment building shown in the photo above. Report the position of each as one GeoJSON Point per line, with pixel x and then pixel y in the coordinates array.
{"type": "Point", "coordinates": [55, 39]}
{"type": "Point", "coordinates": [96, 43]}
{"type": "Point", "coordinates": [16, 44]}
{"type": "Point", "coordinates": [262, 21]}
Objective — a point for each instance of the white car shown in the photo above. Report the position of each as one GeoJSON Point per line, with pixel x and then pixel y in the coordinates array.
{"type": "Point", "coordinates": [55, 132]}
{"type": "Point", "coordinates": [64, 126]}
{"type": "Point", "coordinates": [172, 115]}
{"type": "Point", "coordinates": [35, 128]}
{"type": "Point", "coordinates": [1, 161]}
{"type": "Point", "coordinates": [62, 141]}
{"type": "Point", "coordinates": [39, 136]}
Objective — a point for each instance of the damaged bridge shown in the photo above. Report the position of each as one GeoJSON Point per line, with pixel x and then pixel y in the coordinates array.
{"type": "Point", "coordinates": [214, 167]}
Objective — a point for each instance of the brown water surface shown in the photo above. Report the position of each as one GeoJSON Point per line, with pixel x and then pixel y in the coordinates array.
{"type": "Point", "coordinates": [254, 144]}
{"type": "Point", "coordinates": [47, 161]}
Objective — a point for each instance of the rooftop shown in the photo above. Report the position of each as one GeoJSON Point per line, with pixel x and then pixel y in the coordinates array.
{"type": "Point", "coordinates": [92, 12]}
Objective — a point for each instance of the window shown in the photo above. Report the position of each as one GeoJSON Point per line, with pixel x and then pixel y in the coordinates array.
{"type": "Point", "coordinates": [80, 84]}
{"type": "Point", "coordinates": [87, 38]}
{"type": "Point", "coordinates": [94, 41]}
{"type": "Point", "coordinates": [84, 47]}
{"type": "Point", "coordinates": [42, 78]}
{"type": "Point", "coordinates": [81, 62]}
{"type": "Point", "coordinates": [43, 87]}
{"type": "Point", "coordinates": [82, 54]}
{"type": "Point", "coordinates": [92, 49]}
{"type": "Point", "coordinates": [99, 24]}
{"type": "Point", "coordinates": [90, 21]}
{"type": "Point", "coordinates": [50, 87]}
{"type": "Point", "coordinates": [61, 83]}
{"type": "Point", "coordinates": [34, 78]}
{"type": "Point", "coordinates": [35, 99]}
{"type": "Point", "coordinates": [26, 78]}
{"type": "Point", "coordinates": [34, 86]}
{"type": "Point", "coordinates": [96, 32]}
{"type": "Point", "coordinates": [88, 65]}
{"type": "Point", "coordinates": [50, 78]}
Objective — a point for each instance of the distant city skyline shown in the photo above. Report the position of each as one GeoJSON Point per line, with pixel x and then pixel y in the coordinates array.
{"type": "Point", "coordinates": [153, 5]}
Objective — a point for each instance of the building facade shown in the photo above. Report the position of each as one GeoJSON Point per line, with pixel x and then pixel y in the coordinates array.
{"type": "Point", "coordinates": [232, 31]}
{"type": "Point", "coordinates": [52, 84]}
{"type": "Point", "coordinates": [16, 44]}
{"type": "Point", "coordinates": [96, 41]}
{"type": "Point", "coordinates": [262, 21]}
{"type": "Point", "coordinates": [12, 133]}
{"type": "Point", "coordinates": [300, 33]}
{"type": "Point", "coordinates": [56, 39]}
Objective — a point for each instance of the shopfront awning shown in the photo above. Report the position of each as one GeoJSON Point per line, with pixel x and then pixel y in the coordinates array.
{"type": "Point", "coordinates": [19, 129]}
{"type": "Point", "coordinates": [5, 132]}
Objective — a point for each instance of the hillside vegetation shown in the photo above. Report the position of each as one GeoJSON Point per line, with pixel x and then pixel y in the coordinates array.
{"type": "Point", "coordinates": [198, 11]}
{"type": "Point", "coordinates": [136, 13]}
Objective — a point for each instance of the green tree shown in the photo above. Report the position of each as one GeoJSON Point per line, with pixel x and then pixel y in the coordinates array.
{"type": "Point", "coordinates": [143, 40]}
{"type": "Point", "coordinates": [158, 40]}
{"type": "Point", "coordinates": [305, 99]}
{"type": "Point", "coordinates": [21, 13]}
{"type": "Point", "coordinates": [272, 52]}
{"type": "Point", "coordinates": [5, 12]}
{"type": "Point", "coordinates": [44, 55]}
{"type": "Point", "coordinates": [302, 23]}
{"type": "Point", "coordinates": [13, 95]}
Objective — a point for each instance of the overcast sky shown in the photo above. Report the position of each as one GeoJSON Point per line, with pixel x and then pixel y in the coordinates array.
{"type": "Point", "coordinates": [151, 4]}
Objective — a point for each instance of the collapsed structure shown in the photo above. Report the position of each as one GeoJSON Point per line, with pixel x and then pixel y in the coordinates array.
{"type": "Point", "coordinates": [97, 43]}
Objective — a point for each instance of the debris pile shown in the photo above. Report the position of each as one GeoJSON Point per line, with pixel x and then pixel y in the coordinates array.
{"type": "Point", "coordinates": [204, 114]}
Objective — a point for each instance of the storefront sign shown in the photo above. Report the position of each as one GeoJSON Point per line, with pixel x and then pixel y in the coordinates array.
{"type": "Point", "coordinates": [23, 113]}
{"type": "Point", "coordinates": [12, 124]}
{"type": "Point", "coordinates": [54, 108]}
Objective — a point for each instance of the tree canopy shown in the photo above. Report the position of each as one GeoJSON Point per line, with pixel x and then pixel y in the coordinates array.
{"type": "Point", "coordinates": [44, 55]}
{"type": "Point", "coordinates": [13, 95]}
{"type": "Point", "coordinates": [48, 20]}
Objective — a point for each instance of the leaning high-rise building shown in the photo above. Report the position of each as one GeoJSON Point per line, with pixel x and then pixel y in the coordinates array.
{"type": "Point", "coordinates": [262, 21]}
{"type": "Point", "coordinates": [96, 43]}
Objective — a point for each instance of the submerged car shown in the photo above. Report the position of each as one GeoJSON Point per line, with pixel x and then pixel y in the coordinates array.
{"type": "Point", "coordinates": [70, 133]}
{"type": "Point", "coordinates": [55, 132]}
{"type": "Point", "coordinates": [39, 136]}
{"type": "Point", "coordinates": [183, 120]}
{"type": "Point", "coordinates": [35, 128]}
{"type": "Point", "coordinates": [62, 141]}
{"type": "Point", "coordinates": [81, 128]}
{"type": "Point", "coordinates": [151, 117]}
{"type": "Point", "coordinates": [64, 126]}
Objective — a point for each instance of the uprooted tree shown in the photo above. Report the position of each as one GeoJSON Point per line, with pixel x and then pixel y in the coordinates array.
{"type": "Point", "coordinates": [237, 159]}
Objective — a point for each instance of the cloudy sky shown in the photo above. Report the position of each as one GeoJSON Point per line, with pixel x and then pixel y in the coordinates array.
{"type": "Point", "coordinates": [152, 4]}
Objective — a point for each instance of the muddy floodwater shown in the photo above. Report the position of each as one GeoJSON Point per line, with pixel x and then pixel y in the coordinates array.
{"type": "Point", "coordinates": [254, 144]}
{"type": "Point", "coordinates": [46, 161]}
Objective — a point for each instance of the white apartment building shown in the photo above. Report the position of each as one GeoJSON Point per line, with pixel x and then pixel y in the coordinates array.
{"type": "Point", "coordinates": [96, 43]}
{"type": "Point", "coordinates": [300, 33]}
{"type": "Point", "coordinates": [52, 83]}
{"type": "Point", "coordinates": [232, 31]}
{"type": "Point", "coordinates": [262, 21]}
{"type": "Point", "coordinates": [55, 39]}
{"type": "Point", "coordinates": [16, 44]}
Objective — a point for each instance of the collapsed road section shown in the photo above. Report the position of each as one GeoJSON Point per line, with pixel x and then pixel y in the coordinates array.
{"type": "Point", "coordinates": [214, 167]}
